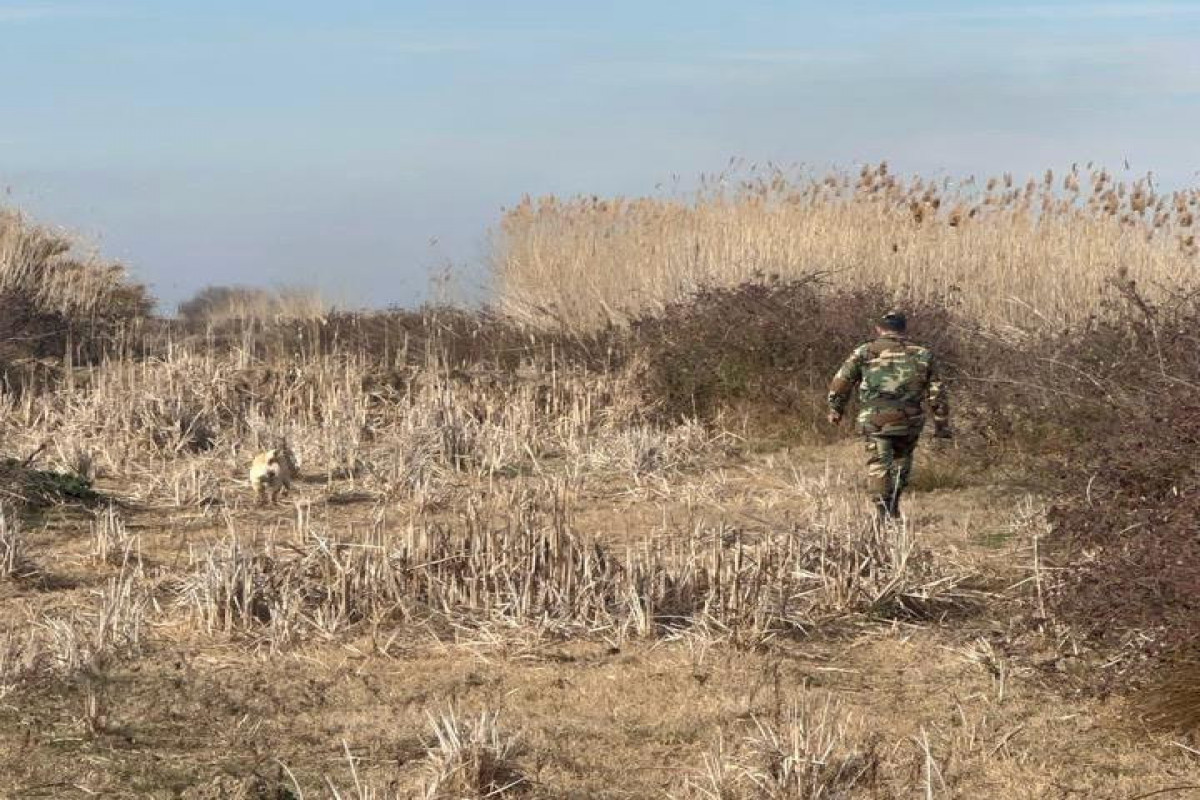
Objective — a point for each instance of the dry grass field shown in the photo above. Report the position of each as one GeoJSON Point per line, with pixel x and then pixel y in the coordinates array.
{"type": "Point", "coordinates": [519, 580]}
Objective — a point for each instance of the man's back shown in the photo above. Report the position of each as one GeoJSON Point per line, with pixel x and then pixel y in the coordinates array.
{"type": "Point", "coordinates": [894, 377]}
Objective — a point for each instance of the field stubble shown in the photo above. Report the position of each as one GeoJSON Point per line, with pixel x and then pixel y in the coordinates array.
{"type": "Point", "coordinates": [513, 584]}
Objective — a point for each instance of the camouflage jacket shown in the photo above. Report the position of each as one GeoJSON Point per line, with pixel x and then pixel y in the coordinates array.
{"type": "Point", "coordinates": [894, 377]}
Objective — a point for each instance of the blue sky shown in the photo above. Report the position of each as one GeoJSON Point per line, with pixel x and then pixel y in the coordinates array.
{"type": "Point", "coordinates": [358, 145]}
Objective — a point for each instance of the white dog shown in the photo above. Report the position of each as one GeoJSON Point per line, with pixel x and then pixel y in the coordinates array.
{"type": "Point", "coordinates": [271, 472]}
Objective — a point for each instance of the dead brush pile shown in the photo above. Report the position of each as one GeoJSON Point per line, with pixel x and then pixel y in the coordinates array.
{"type": "Point", "coordinates": [517, 561]}
{"type": "Point", "coordinates": [1112, 411]}
{"type": "Point", "coordinates": [28, 488]}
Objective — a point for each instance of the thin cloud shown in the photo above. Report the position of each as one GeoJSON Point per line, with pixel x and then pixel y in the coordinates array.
{"type": "Point", "coordinates": [10, 12]}
{"type": "Point", "coordinates": [430, 48]}
{"type": "Point", "coordinates": [1065, 12]}
{"type": "Point", "coordinates": [388, 41]}
{"type": "Point", "coordinates": [786, 56]}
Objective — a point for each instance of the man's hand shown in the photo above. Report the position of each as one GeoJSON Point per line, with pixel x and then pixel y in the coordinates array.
{"type": "Point", "coordinates": [834, 418]}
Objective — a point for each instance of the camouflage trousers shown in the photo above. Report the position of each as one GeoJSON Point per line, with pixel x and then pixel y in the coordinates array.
{"type": "Point", "coordinates": [889, 465]}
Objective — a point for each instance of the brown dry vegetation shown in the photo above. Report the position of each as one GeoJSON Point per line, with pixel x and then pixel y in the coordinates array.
{"type": "Point", "coordinates": [221, 304]}
{"type": "Point", "coordinates": [524, 562]}
{"type": "Point", "coordinates": [41, 265]}
{"type": "Point", "coordinates": [1024, 254]}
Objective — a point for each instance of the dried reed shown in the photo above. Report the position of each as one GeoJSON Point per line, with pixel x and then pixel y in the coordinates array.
{"type": "Point", "coordinates": [1016, 256]}
{"type": "Point", "coordinates": [518, 559]}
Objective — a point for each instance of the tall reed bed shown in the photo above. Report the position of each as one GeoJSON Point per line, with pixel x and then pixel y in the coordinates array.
{"type": "Point", "coordinates": [44, 267]}
{"type": "Point", "coordinates": [1018, 254]}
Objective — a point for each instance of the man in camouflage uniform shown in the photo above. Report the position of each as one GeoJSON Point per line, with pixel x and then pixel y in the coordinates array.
{"type": "Point", "coordinates": [894, 377]}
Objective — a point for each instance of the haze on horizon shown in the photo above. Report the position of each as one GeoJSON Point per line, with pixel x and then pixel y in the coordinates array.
{"type": "Point", "coordinates": [356, 147]}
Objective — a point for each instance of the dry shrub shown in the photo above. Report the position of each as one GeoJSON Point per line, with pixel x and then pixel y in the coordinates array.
{"type": "Point", "coordinates": [1024, 256]}
{"type": "Point", "coordinates": [806, 756]}
{"type": "Point", "coordinates": [772, 345]}
{"type": "Point", "coordinates": [111, 629]}
{"type": "Point", "coordinates": [215, 305]}
{"type": "Point", "coordinates": [811, 751]}
{"type": "Point", "coordinates": [1118, 398]}
{"type": "Point", "coordinates": [472, 758]}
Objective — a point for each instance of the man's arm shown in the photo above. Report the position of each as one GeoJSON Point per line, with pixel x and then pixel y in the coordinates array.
{"type": "Point", "coordinates": [842, 385]}
{"type": "Point", "coordinates": [939, 402]}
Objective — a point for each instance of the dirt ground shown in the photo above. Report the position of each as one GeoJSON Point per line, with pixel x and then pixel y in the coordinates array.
{"type": "Point", "coordinates": [981, 703]}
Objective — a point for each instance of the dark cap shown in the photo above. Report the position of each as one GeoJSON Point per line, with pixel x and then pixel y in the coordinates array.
{"type": "Point", "coordinates": [894, 320]}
